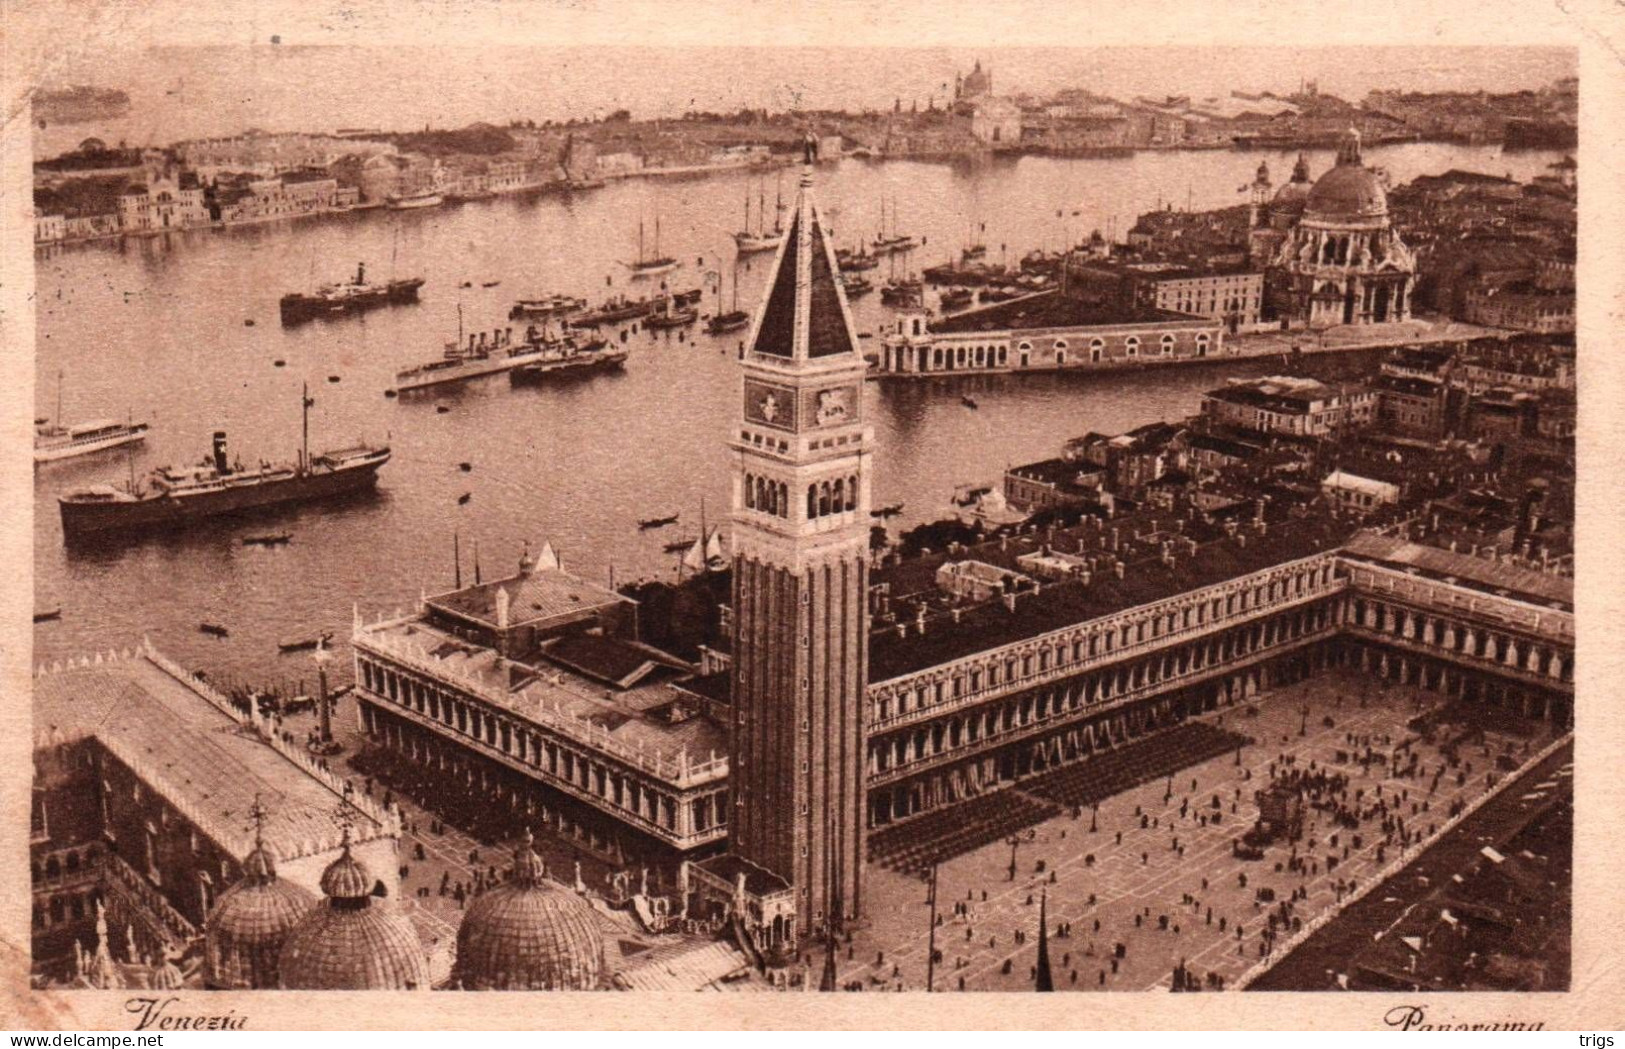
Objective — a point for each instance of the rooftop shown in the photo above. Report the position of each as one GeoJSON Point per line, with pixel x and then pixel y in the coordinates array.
{"type": "Point", "coordinates": [644, 722]}
{"type": "Point", "coordinates": [202, 760]}
{"type": "Point", "coordinates": [1051, 309]}
{"type": "Point", "coordinates": [1057, 605]}
{"type": "Point", "coordinates": [544, 594]}
{"type": "Point", "coordinates": [1275, 392]}
{"type": "Point", "coordinates": [1476, 572]}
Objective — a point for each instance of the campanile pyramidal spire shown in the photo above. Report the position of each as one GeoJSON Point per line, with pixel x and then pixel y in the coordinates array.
{"type": "Point", "coordinates": [801, 462]}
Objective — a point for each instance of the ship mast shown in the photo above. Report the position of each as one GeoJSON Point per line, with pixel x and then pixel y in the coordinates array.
{"type": "Point", "coordinates": [58, 419]}
{"type": "Point", "coordinates": [640, 240]}
{"type": "Point", "coordinates": [304, 440]}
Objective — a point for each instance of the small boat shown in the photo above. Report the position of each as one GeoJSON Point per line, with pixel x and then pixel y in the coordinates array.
{"type": "Point", "coordinates": [968, 401]}
{"type": "Point", "coordinates": [466, 284]}
{"type": "Point", "coordinates": [890, 510]}
{"type": "Point", "coordinates": [332, 378]}
{"type": "Point", "coordinates": [677, 546]}
{"type": "Point", "coordinates": [901, 293]}
{"type": "Point", "coordinates": [856, 286]}
{"type": "Point", "coordinates": [441, 409]}
{"type": "Point", "coordinates": [546, 306]}
{"type": "Point", "coordinates": [465, 467]}
{"type": "Point", "coordinates": [280, 363]}
{"type": "Point", "coordinates": [490, 283]}
{"type": "Point", "coordinates": [304, 641]}
{"type": "Point", "coordinates": [733, 320]}
{"type": "Point", "coordinates": [47, 615]}
{"type": "Point", "coordinates": [425, 199]}
{"type": "Point", "coordinates": [248, 323]}
{"type": "Point", "coordinates": [653, 265]}
{"type": "Point", "coordinates": [462, 500]}
{"type": "Point", "coordinates": [850, 262]}
{"type": "Point", "coordinates": [658, 522]}
{"type": "Point", "coordinates": [276, 539]}
{"type": "Point", "coordinates": [391, 393]}
{"type": "Point", "coordinates": [975, 251]}
{"type": "Point", "coordinates": [213, 630]}
{"type": "Point", "coordinates": [671, 318]}
{"type": "Point", "coordinates": [750, 242]}
{"type": "Point", "coordinates": [53, 441]}
{"type": "Point", "coordinates": [956, 298]}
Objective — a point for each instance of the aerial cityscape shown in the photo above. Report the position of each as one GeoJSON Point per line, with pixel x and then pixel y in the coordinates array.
{"type": "Point", "coordinates": [1010, 535]}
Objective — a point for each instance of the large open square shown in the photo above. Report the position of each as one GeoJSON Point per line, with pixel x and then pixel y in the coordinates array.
{"type": "Point", "coordinates": [1160, 870]}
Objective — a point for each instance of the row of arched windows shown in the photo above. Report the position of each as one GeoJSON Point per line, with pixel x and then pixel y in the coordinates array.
{"type": "Point", "coordinates": [825, 497]}
{"type": "Point", "coordinates": [768, 496]}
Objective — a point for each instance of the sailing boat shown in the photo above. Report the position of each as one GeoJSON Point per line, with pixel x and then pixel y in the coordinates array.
{"type": "Point", "coordinates": [750, 243]}
{"type": "Point", "coordinates": [54, 439]}
{"type": "Point", "coordinates": [650, 267]}
{"type": "Point", "coordinates": [885, 245]}
{"type": "Point", "coordinates": [735, 318]}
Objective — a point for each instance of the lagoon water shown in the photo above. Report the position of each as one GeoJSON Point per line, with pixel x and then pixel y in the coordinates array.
{"type": "Point", "coordinates": [156, 327]}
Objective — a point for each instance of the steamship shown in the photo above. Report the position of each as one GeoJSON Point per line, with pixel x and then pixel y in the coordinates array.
{"type": "Point", "coordinates": [352, 296]}
{"type": "Point", "coordinates": [174, 496]}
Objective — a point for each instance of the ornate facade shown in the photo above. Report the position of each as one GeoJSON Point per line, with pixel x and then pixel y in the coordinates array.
{"type": "Point", "coordinates": [1342, 262]}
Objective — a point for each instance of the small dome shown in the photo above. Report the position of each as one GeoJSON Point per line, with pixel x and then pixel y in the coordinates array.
{"type": "Point", "coordinates": [345, 878]}
{"type": "Point", "coordinates": [245, 931]}
{"type": "Point", "coordinates": [349, 942]}
{"type": "Point", "coordinates": [529, 935]}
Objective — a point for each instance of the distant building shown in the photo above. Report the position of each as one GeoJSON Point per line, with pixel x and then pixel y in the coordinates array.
{"type": "Point", "coordinates": [1288, 407]}
{"type": "Point", "coordinates": [996, 122]}
{"type": "Point", "coordinates": [1353, 492]}
{"type": "Point", "coordinates": [1052, 484]}
{"type": "Point", "coordinates": [165, 203]}
{"type": "Point", "coordinates": [1522, 306]}
{"type": "Point", "coordinates": [1227, 292]}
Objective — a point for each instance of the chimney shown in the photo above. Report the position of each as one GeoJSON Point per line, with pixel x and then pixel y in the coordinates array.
{"type": "Point", "coordinates": [919, 619]}
{"type": "Point", "coordinates": [1242, 540]}
{"type": "Point", "coordinates": [502, 608]}
{"type": "Point", "coordinates": [1117, 568]}
{"type": "Point", "coordinates": [1010, 601]}
{"type": "Point", "coordinates": [220, 464]}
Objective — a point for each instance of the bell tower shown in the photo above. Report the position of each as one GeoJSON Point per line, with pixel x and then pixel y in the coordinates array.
{"type": "Point", "coordinates": [801, 460]}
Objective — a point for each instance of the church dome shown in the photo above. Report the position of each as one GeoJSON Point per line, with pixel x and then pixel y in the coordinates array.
{"type": "Point", "coordinates": [245, 931]}
{"type": "Point", "coordinates": [1293, 195]}
{"type": "Point", "coordinates": [529, 935]}
{"type": "Point", "coordinates": [1350, 190]}
{"type": "Point", "coordinates": [351, 942]}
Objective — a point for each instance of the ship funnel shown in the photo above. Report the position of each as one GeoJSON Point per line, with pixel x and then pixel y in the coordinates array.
{"type": "Point", "coordinates": [220, 452]}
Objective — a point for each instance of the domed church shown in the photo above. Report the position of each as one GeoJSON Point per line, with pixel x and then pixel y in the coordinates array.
{"type": "Point", "coordinates": [250, 922]}
{"type": "Point", "coordinates": [352, 941]}
{"type": "Point", "coordinates": [1342, 262]}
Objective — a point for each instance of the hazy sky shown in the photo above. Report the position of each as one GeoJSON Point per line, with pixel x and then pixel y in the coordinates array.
{"type": "Point", "coordinates": [184, 92]}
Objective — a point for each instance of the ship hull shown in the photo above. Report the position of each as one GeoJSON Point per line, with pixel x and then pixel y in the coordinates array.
{"type": "Point", "coordinates": [575, 368]}
{"type": "Point", "coordinates": [81, 519]}
{"type": "Point", "coordinates": [299, 308]}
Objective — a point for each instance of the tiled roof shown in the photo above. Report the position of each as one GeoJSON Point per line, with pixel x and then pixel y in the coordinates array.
{"type": "Point", "coordinates": [1524, 582]}
{"type": "Point", "coordinates": [544, 594]}
{"type": "Point", "coordinates": [198, 758]}
{"type": "Point", "coordinates": [1052, 309]}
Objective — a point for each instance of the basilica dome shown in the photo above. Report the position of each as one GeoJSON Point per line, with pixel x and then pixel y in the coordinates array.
{"type": "Point", "coordinates": [1293, 195]}
{"type": "Point", "coordinates": [1350, 190]}
{"type": "Point", "coordinates": [249, 924]}
{"type": "Point", "coordinates": [351, 941]}
{"type": "Point", "coordinates": [528, 934]}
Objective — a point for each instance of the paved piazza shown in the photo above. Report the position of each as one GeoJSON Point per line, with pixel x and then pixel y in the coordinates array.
{"type": "Point", "coordinates": [1148, 876]}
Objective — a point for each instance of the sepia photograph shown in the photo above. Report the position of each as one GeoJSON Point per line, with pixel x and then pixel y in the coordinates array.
{"type": "Point", "coordinates": [906, 516]}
